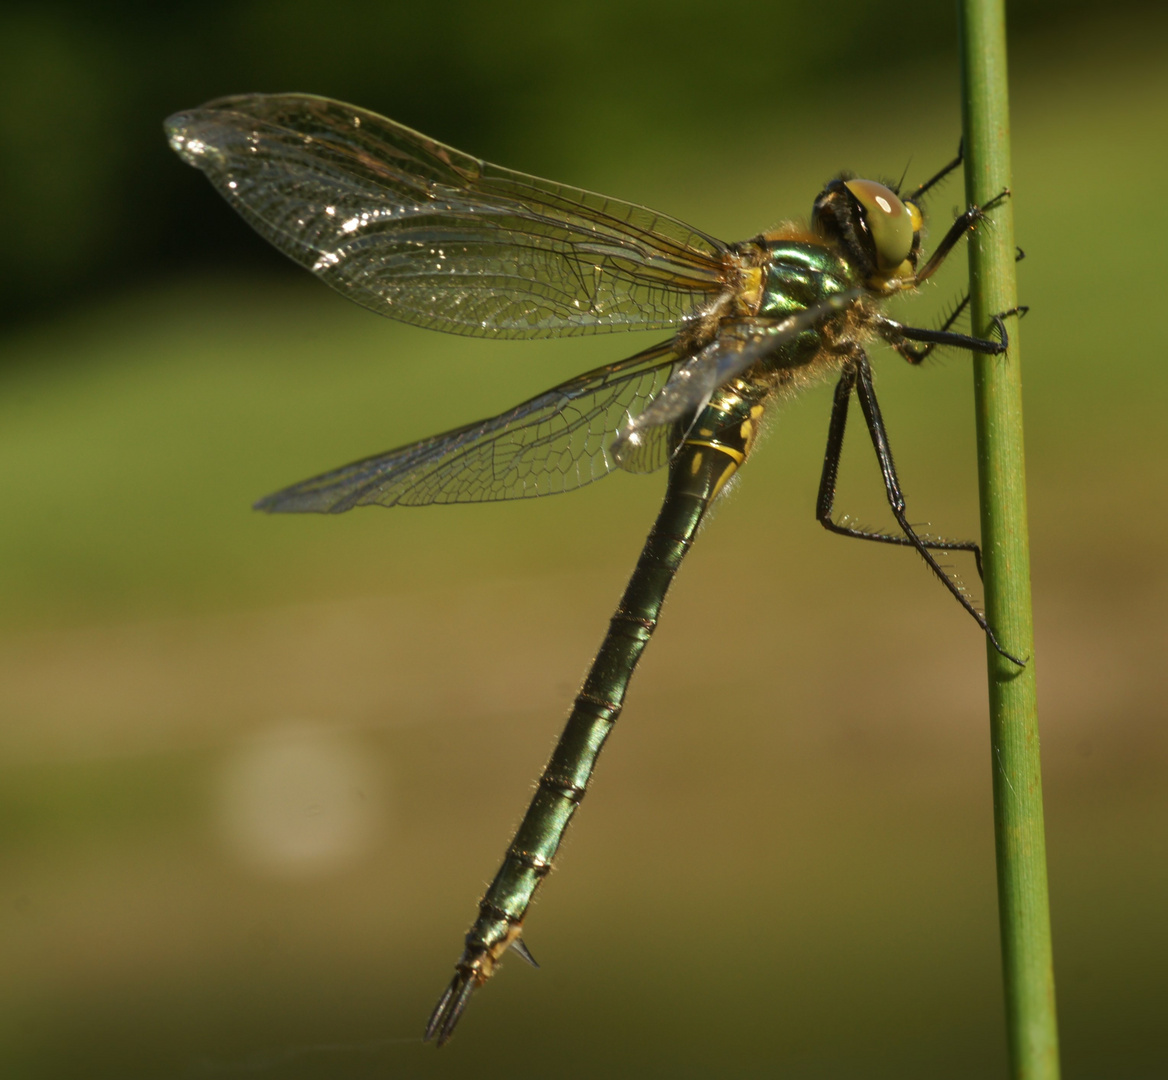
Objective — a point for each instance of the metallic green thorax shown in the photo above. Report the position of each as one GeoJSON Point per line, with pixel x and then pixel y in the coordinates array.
{"type": "Point", "coordinates": [799, 276]}
{"type": "Point", "coordinates": [714, 448]}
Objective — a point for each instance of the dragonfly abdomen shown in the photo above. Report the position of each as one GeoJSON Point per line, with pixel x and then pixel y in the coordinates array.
{"type": "Point", "coordinates": [712, 449]}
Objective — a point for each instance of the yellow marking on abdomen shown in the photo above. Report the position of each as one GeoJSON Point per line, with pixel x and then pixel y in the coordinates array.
{"type": "Point", "coordinates": [728, 472]}
{"type": "Point", "coordinates": [729, 451]}
{"type": "Point", "coordinates": [736, 459]}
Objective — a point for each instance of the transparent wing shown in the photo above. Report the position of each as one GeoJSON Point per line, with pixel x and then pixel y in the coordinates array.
{"type": "Point", "coordinates": [740, 345]}
{"type": "Point", "coordinates": [554, 442]}
{"type": "Point", "coordinates": [418, 231]}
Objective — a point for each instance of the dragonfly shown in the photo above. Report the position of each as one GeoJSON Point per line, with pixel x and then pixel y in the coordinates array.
{"type": "Point", "coordinates": [418, 231]}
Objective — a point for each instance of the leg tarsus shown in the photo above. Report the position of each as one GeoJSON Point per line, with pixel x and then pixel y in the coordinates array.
{"type": "Point", "coordinates": [970, 219]}
{"type": "Point", "coordinates": [999, 321]}
{"type": "Point", "coordinates": [997, 200]}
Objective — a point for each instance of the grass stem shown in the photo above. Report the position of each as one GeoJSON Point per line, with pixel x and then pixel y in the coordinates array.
{"type": "Point", "coordinates": [1017, 777]}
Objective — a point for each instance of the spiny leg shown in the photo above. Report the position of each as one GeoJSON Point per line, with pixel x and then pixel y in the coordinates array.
{"type": "Point", "coordinates": [917, 356]}
{"type": "Point", "coordinates": [866, 392]}
{"type": "Point", "coordinates": [825, 502]}
{"type": "Point", "coordinates": [938, 177]}
{"type": "Point", "coordinates": [970, 219]}
{"type": "Point", "coordinates": [899, 336]}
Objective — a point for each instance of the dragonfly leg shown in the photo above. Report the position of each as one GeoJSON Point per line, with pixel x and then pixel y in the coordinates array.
{"type": "Point", "coordinates": [916, 355]}
{"type": "Point", "coordinates": [866, 392]}
{"type": "Point", "coordinates": [825, 503]}
{"type": "Point", "coordinates": [897, 334]}
{"type": "Point", "coordinates": [900, 337]}
{"type": "Point", "coordinates": [970, 219]}
{"type": "Point", "coordinates": [938, 177]}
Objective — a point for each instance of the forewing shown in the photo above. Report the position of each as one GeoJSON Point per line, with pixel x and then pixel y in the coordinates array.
{"type": "Point", "coordinates": [555, 442]}
{"type": "Point", "coordinates": [418, 231]}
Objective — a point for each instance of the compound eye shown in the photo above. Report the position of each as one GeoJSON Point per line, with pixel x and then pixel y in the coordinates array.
{"type": "Point", "coordinates": [889, 223]}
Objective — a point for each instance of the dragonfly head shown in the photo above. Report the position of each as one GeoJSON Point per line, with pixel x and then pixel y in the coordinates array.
{"type": "Point", "coordinates": [879, 232]}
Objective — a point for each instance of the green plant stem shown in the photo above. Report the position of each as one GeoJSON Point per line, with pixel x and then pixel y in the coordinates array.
{"type": "Point", "coordinates": [1017, 776]}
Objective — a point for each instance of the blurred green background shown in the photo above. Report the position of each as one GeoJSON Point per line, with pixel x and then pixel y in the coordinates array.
{"type": "Point", "coordinates": [254, 771]}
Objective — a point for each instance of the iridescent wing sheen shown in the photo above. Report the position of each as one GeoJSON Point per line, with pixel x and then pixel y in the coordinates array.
{"type": "Point", "coordinates": [554, 442]}
{"type": "Point", "coordinates": [421, 232]}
